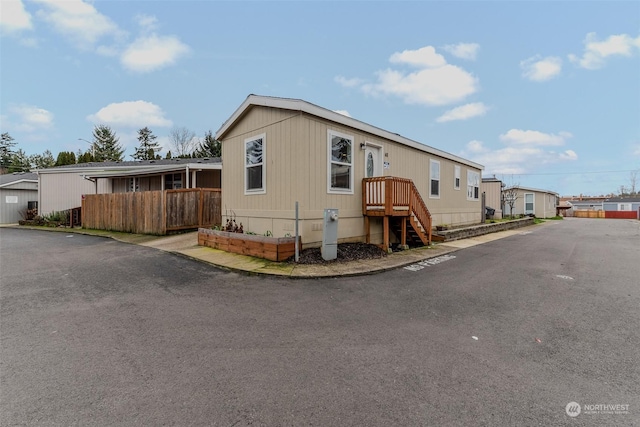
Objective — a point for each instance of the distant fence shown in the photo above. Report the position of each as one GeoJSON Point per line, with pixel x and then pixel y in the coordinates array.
{"type": "Point", "coordinates": [621, 214]}
{"type": "Point", "coordinates": [588, 214]}
{"type": "Point", "coordinates": [606, 214]}
{"type": "Point", "coordinates": [153, 212]}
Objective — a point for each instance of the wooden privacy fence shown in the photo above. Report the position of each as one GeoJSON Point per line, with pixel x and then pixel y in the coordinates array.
{"type": "Point", "coordinates": [153, 212]}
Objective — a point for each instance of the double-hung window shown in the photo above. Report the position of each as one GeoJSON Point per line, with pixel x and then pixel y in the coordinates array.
{"type": "Point", "coordinates": [340, 167]}
{"type": "Point", "coordinates": [434, 179]}
{"type": "Point", "coordinates": [172, 181]}
{"type": "Point", "coordinates": [473, 185]}
{"type": "Point", "coordinates": [456, 177]}
{"type": "Point", "coordinates": [254, 165]}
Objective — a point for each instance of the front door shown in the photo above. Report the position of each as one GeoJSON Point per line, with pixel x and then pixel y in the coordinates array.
{"type": "Point", "coordinates": [372, 161]}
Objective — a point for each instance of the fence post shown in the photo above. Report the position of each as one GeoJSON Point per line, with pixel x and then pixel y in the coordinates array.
{"type": "Point", "coordinates": [200, 207]}
{"type": "Point", "coordinates": [164, 212]}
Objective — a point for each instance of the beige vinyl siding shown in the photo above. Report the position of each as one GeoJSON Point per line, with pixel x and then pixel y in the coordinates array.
{"type": "Point", "coordinates": [544, 203]}
{"type": "Point", "coordinates": [493, 194]}
{"type": "Point", "coordinates": [296, 151]}
{"type": "Point", "coordinates": [64, 190]}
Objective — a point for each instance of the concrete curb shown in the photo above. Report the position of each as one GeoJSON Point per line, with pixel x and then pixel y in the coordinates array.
{"type": "Point", "coordinates": [182, 245]}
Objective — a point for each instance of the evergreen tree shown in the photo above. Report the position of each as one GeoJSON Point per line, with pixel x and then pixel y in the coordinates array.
{"type": "Point", "coordinates": [86, 158]}
{"type": "Point", "coordinates": [6, 151]}
{"type": "Point", "coordinates": [19, 162]}
{"type": "Point", "coordinates": [209, 147]}
{"type": "Point", "coordinates": [66, 158]}
{"type": "Point", "coordinates": [168, 156]}
{"type": "Point", "coordinates": [148, 147]}
{"type": "Point", "coordinates": [107, 147]}
{"type": "Point", "coordinates": [42, 161]}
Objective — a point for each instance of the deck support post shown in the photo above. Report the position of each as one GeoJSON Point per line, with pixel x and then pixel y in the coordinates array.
{"type": "Point", "coordinates": [403, 236]}
{"type": "Point", "coordinates": [367, 227]}
{"type": "Point", "coordinates": [385, 232]}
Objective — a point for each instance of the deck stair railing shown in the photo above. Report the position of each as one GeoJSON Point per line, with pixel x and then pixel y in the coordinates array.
{"type": "Point", "coordinates": [396, 199]}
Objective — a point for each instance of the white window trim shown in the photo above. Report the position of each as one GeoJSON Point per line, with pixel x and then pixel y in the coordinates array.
{"type": "Point", "coordinates": [456, 175]}
{"type": "Point", "coordinates": [533, 202]}
{"type": "Point", "coordinates": [262, 190]}
{"type": "Point", "coordinates": [431, 163]}
{"type": "Point", "coordinates": [475, 199]}
{"type": "Point", "coordinates": [330, 135]}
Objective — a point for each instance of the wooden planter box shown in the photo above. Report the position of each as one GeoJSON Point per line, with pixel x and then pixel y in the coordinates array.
{"type": "Point", "coordinates": [271, 248]}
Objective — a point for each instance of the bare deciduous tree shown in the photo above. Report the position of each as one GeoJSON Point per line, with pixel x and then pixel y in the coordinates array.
{"type": "Point", "coordinates": [633, 180]}
{"type": "Point", "coordinates": [183, 141]}
{"type": "Point", "coordinates": [510, 195]}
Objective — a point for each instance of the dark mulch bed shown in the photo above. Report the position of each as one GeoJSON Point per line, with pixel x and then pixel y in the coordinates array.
{"type": "Point", "coordinates": [346, 252]}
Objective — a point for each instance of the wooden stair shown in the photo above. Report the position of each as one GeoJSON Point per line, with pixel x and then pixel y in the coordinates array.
{"type": "Point", "coordinates": [403, 210]}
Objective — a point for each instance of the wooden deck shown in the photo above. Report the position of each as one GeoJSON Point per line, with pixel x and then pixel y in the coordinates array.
{"type": "Point", "coordinates": [401, 207]}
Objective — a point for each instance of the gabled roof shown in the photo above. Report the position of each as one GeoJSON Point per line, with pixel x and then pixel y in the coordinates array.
{"type": "Point", "coordinates": [623, 200]}
{"type": "Point", "coordinates": [537, 190]}
{"type": "Point", "coordinates": [14, 178]}
{"type": "Point", "coordinates": [315, 110]}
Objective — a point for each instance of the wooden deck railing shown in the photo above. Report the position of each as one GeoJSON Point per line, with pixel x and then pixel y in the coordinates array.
{"type": "Point", "coordinates": [152, 212]}
{"type": "Point", "coordinates": [391, 196]}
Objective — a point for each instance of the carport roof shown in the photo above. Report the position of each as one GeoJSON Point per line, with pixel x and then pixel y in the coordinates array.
{"type": "Point", "coordinates": [13, 178]}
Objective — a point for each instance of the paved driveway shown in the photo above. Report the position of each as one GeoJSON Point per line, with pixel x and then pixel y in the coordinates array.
{"type": "Point", "coordinates": [96, 332]}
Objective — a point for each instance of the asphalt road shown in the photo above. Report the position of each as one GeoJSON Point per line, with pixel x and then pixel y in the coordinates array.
{"type": "Point", "coordinates": [96, 332]}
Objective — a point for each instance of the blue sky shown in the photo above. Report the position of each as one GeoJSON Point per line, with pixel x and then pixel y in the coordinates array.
{"type": "Point", "coordinates": [543, 94]}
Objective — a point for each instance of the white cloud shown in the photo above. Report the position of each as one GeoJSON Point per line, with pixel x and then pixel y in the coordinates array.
{"type": "Point", "coordinates": [434, 83]}
{"type": "Point", "coordinates": [14, 17]}
{"type": "Point", "coordinates": [343, 112]}
{"type": "Point", "coordinates": [431, 86]}
{"type": "Point", "coordinates": [149, 53]}
{"type": "Point", "coordinates": [568, 155]}
{"type": "Point", "coordinates": [534, 137]}
{"type": "Point", "coordinates": [423, 57]}
{"type": "Point", "coordinates": [476, 146]}
{"type": "Point", "coordinates": [343, 81]}
{"type": "Point", "coordinates": [78, 21]}
{"type": "Point", "coordinates": [540, 69]}
{"type": "Point", "coordinates": [29, 118]}
{"type": "Point", "coordinates": [136, 114]}
{"type": "Point", "coordinates": [524, 151]}
{"type": "Point", "coordinates": [468, 51]}
{"type": "Point", "coordinates": [147, 23]}
{"type": "Point", "coordinates": [596, 52]}
{"type": "Point", "coordinates": [463, 112]}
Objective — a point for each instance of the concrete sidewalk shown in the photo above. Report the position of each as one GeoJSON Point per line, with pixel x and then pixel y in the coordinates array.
{"type": "Point", "coordinates": [186, 244]}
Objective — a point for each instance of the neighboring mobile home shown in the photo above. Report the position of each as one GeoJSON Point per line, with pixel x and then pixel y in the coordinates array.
{"type": "Point", "coordinates": [492, 188]}
{"type": "Point", "coordinates": [532, 201]}
{"type": "Point", "coordinates": [17, 191]}
{"type": "Point", "coordinates": [62, 187]}
{"type": "Point", "coordinates": [627, 206]}
{"type": "Point", "coordinates": [280, 151]}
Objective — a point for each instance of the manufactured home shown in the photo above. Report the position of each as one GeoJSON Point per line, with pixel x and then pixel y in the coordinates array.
{"type": "Point", "coordinates": [531, 201]}
{"type": "Point", "coordinates": [18, 191]}
{"type": "Point", "coordinates": [492, 189]}
{"type": "Point", "coordinates": [62, 188]}
{"type": "Point", "coordinates": [386, 187]}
